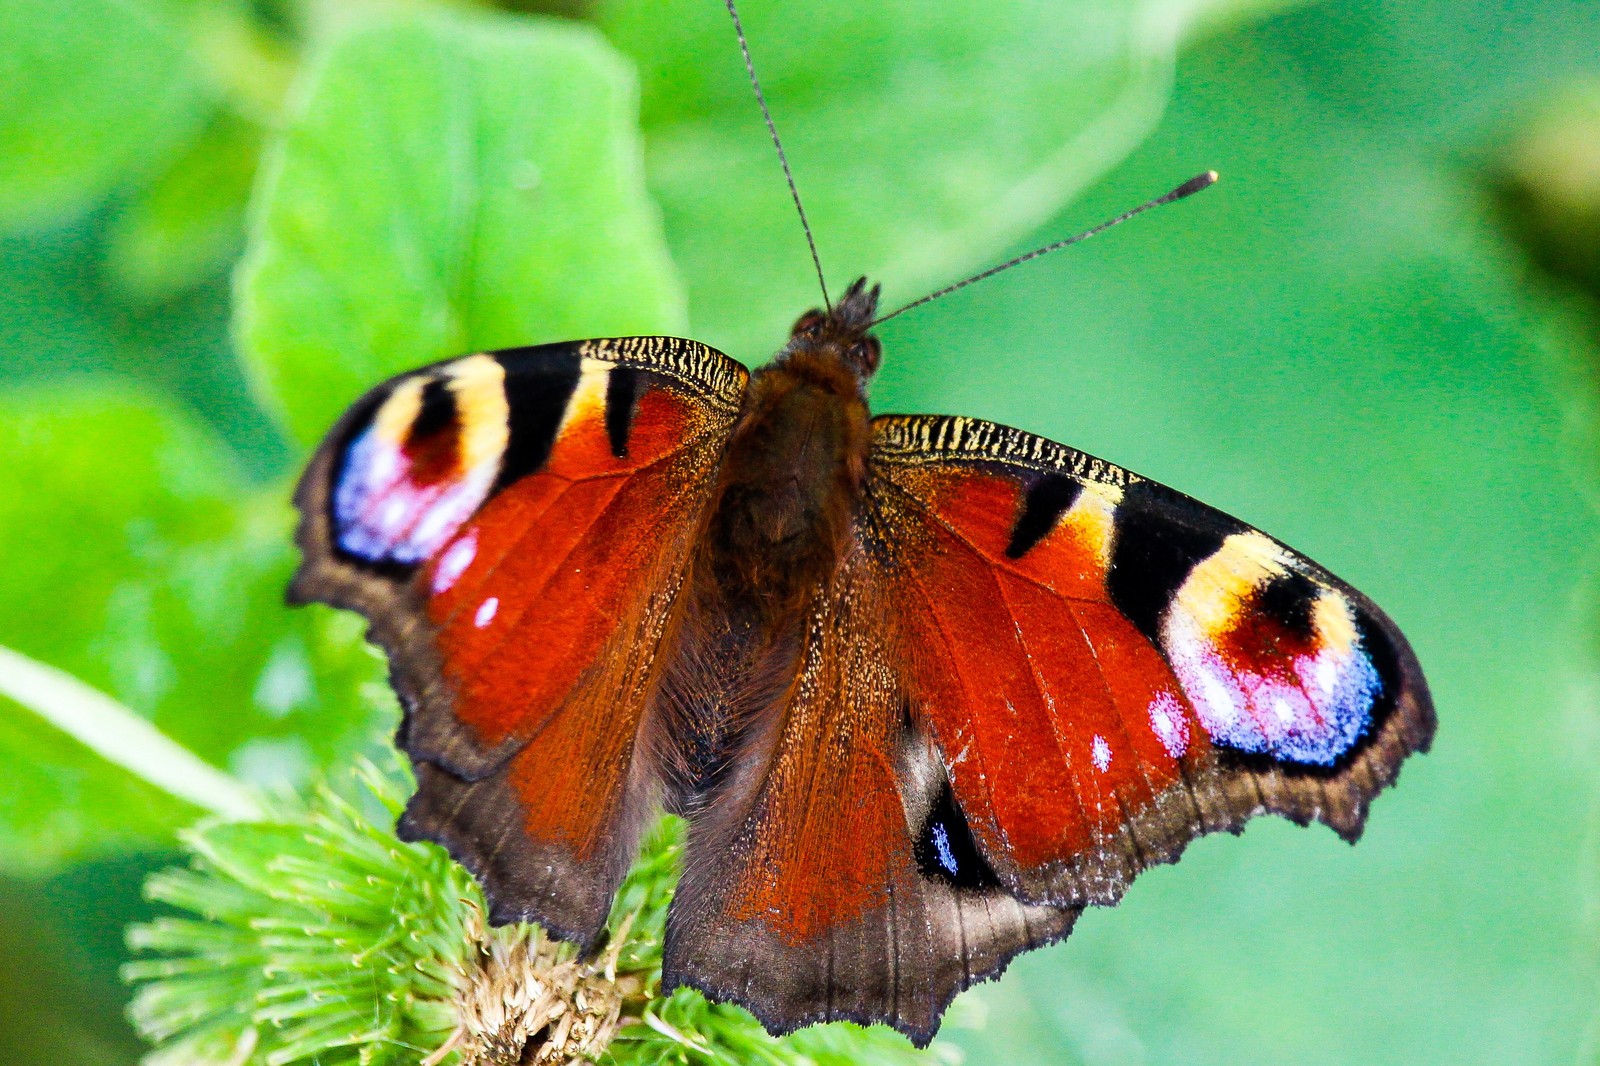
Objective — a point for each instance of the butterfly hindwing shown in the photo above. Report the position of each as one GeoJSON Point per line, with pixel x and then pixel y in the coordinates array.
{"type": "Point", "coordinates": [831, 876]}
{"type": "Point", "coordinates": [1110, 668]}
{"type": "Point", "coordinates": [516, 526]}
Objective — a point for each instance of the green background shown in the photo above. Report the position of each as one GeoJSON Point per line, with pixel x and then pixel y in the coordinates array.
{"type": "Point", "coordinates": [1375, 338]}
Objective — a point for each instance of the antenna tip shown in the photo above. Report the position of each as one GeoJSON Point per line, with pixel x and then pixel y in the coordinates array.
{"type": "Point", "coordinates": [1195, 184]}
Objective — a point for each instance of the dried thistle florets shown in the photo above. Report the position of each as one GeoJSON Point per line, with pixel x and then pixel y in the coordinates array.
{"type": "Point", "coordinates": [526, 1000]}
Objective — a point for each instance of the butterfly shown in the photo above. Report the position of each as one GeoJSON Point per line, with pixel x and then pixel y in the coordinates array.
{"type": "Point", "coordinates": [923, 687]}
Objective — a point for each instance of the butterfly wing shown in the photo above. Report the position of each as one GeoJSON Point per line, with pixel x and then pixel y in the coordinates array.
{"type": "Point", "coordinates": [1111, 668]}
{"type": "Point", "coordinates": [516, 526]}
{"type": "Point", "coordinates": [1035, 675]}
{"type": "Point", "coordinates": [830, 877]}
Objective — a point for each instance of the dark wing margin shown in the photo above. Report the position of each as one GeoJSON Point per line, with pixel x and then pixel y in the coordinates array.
{"type": "Point", "coordinates": [515, 527]}
{"type": "Point", "coordinates": [1110, 668]}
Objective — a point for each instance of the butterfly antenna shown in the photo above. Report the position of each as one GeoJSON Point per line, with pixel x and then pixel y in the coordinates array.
{"type": "Point", "coordinates": [1188, 188]}
{"type": "Point", "coordinates": [788, 176]}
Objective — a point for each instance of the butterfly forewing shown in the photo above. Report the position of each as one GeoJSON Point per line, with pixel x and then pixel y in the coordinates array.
{"type": "Point", "coordinates": [1111, 668]}
{"type": "Point", "coordinates": [516, 527]}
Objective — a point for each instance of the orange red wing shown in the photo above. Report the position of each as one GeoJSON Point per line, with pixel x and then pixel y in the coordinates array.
{"type": "Point", "coordinates": [516, 526]}
{"type": "Point", "coordinates": [1110, 668]}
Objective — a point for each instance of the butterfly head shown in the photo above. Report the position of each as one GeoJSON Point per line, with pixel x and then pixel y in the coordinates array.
{"type": "Point", "coordinates": [839, 336]}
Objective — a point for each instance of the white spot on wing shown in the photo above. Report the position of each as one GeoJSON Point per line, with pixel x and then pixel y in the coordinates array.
{"type": "Point", "coordinates": [486, 611]}
{"type": "Point", "coordinates": [1217, 694]}
{"type": "Point", "coordinates": [1100, 752]}
{"type": "Point", "coordinates": [393, 516]}
{"type": "Point", "coordinates": [457, 557]}
{"type": "Point", "coordinates": [1325, 675]}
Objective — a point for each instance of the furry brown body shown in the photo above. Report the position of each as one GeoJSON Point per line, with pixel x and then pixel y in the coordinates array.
{"type": "Point", "coordinates": [778, 527]}
{"type": "Point", "coordinates": [794, 472]}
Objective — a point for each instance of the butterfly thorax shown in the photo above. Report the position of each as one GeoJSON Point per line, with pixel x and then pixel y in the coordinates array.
{"type": "Point", "coordinates": [795, 465]}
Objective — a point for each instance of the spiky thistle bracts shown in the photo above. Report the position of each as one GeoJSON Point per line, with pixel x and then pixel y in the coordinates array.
{"type": "Point", "coordinates": [315, 936]}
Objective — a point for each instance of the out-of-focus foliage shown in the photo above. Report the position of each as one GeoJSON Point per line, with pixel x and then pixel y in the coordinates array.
{"type": "Point", "coordinates": [139, 565]}
{"type": "Point", "coordinates": [449, 185]}
{"type": "Point", "coordinates": [1340, 343]}
{"type": "Point", "coordinates": [898, 116]}
{"type": "Point", "coordinates": [98, 92]}
{"type": "Point", "coordinates": [190, 218]}
{"type": "Point", "coordinates": [1550, 180]}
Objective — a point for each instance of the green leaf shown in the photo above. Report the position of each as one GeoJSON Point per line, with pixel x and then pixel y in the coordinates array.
{"type": "Point", "coordinates": [60, 324]}
{"type": "Point", "coordinates": [62, 803]}
{"type": "Point", "coordinates": [924, 137]}
{"type": "Point", "coordinates": [97, 93]}
{"type": "Point", "coordinates": [449, 184]}
{"type": "Point", "coordinates": [135, 566]}
{"type": "Point", "coordinates": [189, 221]}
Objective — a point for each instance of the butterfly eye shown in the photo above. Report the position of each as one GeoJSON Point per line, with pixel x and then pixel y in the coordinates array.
{"type": "Point", "coordinates": [809, 324]}
{"type": "Point", "coordinates": [866, 354]}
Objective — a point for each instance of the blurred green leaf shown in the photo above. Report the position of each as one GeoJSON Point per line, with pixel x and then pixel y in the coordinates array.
{"type": "Point", "coordinates": [924, 137]}
{"type": "Point", "coordinates": [189, 221]}
{"type": "Point", "coordinates": [449, 184]}
{"type": "Point", "coordinates": [1442, 72]}
{"type": "Point", "coordinates": [97, 93]}
{"type": "Point", "coordinates": [61, 803]}
{"type": "Point", "coordinates": [139, 572]}
{"type": "Point", "coordinates": [1549, 184]}
{"type": "Point", "coordinates": [60, 326]}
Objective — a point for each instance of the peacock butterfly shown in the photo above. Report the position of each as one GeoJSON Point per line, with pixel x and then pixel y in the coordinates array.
{"type": "Point", "coordinates": [923, 687]}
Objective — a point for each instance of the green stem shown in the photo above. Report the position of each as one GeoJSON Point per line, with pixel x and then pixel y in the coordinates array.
{"type": "Point", "coordinates": [121, 737]}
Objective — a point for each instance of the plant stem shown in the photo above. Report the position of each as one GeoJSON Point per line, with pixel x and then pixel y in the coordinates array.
{"type": "Point", "coordinates": [121, 737]}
